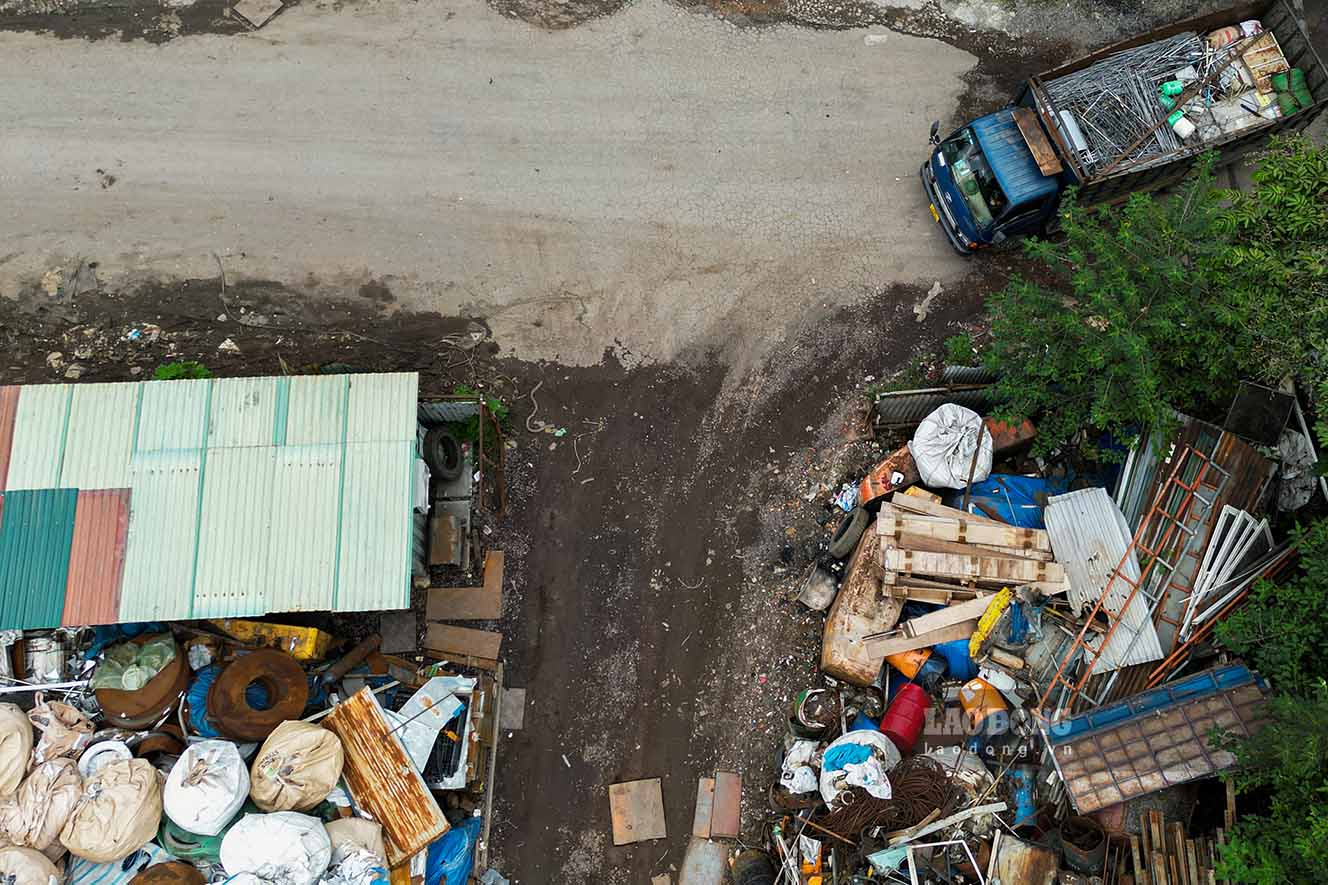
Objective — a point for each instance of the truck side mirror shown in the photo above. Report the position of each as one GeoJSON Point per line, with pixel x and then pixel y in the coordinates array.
{"type": "Point", "coordinates": [935, 136]}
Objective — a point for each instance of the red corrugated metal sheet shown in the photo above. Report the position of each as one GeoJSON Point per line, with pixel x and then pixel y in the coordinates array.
{"type": "Point", "coordinates": [96, 558]}
{"type": "Point", "coordinates": [8, 408]}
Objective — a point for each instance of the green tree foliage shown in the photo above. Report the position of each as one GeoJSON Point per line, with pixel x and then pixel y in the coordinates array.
{"type": "Point", "coordinates": [1283, 633]}
{"type": "Point", "coordinates": [1288, 843]}
{"type": "Point", "coordinates": [1166, 303]}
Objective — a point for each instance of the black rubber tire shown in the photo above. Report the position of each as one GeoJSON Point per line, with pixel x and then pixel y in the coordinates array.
{"type": "Point", "coordinates": [753, 867]}
{"type": "Point", "coordinates": [850, 530]}
{"type": "Point", "coordinates": [442, 452]}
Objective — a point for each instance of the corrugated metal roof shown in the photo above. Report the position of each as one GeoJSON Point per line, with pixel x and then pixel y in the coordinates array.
{"type": "Point", "coordinates": [906, 408]}
{"type": "Point", "coordinates": [8, 406]}
{"type": "Point", "coordinates": [100, 438]}
{"type": "Point", "coordinates": [1090, 537]}
{"type": "Point", "coordinates": [246, 495]}
{"type": "Point", "coordinates": [36, 529]}
{"type": "Point", "coordinates": [39, 437]}
{"type": "Point", "coordinates": [96, 557]}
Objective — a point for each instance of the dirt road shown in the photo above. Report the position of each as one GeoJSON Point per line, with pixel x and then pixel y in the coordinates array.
{"type": "Point", "coordinates": [651, 180]}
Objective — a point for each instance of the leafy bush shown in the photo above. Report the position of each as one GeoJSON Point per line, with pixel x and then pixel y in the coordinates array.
{"type": "Point", "coordinates": [1165, 303]}
{"type": "Point", "coordinates": [182, 369]}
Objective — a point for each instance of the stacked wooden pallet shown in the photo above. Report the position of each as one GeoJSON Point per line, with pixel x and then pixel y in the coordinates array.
{"type": "Point", "coordinates": [935, 553]}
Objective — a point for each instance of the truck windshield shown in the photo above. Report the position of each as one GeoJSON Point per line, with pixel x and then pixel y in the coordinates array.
{"type": "Point", "coordinates": [973, 176]}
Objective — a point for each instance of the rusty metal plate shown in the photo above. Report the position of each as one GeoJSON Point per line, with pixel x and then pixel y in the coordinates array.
{"type": "Point", "coordinates": [637, 809]}
{"type": "Point", "coordinates": [382, 779]}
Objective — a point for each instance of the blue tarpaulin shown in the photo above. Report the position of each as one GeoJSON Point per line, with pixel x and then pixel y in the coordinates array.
{"type": "Point", "coordinates": [1017, 500]}
{"type": "Point", "coordinates": [450, 858]}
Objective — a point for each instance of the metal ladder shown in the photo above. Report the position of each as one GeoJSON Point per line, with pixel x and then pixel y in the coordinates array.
{"type": "Point", "coordinates": [1164, 532]}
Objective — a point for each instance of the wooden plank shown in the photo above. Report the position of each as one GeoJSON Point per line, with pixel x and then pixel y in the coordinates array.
{"type": "Point", "coordinates": [1229, 815]}
{"type": "Point", "coordinates": [1192, 862]}
{"type": "Point", "coordinates": [884, 646]}
{"type": "Point", "coordinates": [495, 561]}
{"type": "Point", "coordinates": [442, 539]}
{"type": "Point", "coordinates": [637, 810]}
{"type": "Point", "coordinates": [946, 617]}
{"type": "Point", "coordinates": [726, 821]}
{"type": "Point", "coordinates": [382, 779]}
{"type": "Point", "coordinates": [705, 804]}
{"type": "Point", "coordinates": [1139, 869]}
{"type": "Point", "coordinates": [1146, 851]}
{"type": "Point", "coordinates": [1176, 848]}
{"type": "Point", "coordinates": [1159, 869]}
{"type": "Point", "coordinates": [961, 529]}
{"type": "Point", "coordinates": [447, 640]}
{"type": "Point", "coordinates": [462, 604]}
{"type": "Point", "coordinates": [906, 541]}
{"type": "Point", "coordinates": [988, 567]}
{"type": "Point", "coordinates": [932, 594]}
{"type": "Point", "coordinates": [1038, 145]}
{"type": "Point", "coordinates": [661, 879]}
{"type": "Point", "coordinates": [927, 508]}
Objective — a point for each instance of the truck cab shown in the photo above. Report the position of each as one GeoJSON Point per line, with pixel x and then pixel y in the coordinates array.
{"type": "Point", "coordinates": [985, 185]}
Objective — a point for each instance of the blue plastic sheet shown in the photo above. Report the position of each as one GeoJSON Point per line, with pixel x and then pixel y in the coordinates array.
{"type": "Point", "coordinates": [845, 754]}
{"type": "Point", "coordinates": [1015, 499]}
{"type": "Point", "coordinates": [450, 858]}
{"type": "Point", "coordinates": [863, 722]}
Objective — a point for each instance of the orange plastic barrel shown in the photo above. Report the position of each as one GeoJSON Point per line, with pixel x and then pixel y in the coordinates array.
{"type": "Point", "coordinates": [909, 662]}
{"type": "Point", "coordinates": [980, 699]}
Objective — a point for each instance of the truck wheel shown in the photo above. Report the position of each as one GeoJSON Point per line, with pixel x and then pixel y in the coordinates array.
{"type": "Point", "coordinates": [442, 452]}
{"type": "Point", "coordinates": [848, 534]}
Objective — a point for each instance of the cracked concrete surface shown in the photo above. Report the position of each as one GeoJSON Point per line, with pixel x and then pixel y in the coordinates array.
{"type": "Point", "coordinates": [651, 181]}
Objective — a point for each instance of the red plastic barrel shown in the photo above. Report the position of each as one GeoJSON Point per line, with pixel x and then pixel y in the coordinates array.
{"type": "Point", "coordinates": [903, 722]}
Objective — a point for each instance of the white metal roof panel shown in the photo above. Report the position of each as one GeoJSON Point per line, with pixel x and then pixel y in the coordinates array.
{"type": "Point", "coordinates": [171, 415]}
{"type": "Point", "coordinates": [163, 532]}
{"type": "Point", "coordinates": [374, 560]}
{"type": "Point", "coordinates": [382, 407]}
{"type": "Point", "coordinates": [231, 578]}
{"type": "Point", "coordinates": [1089, 536]}
{"type": "Point", "coordinates": [243, 412]}
{"type": "Point", "coordinates": [39, 433]}
{"type": "Point", "coordinates": [304, 518]}
{"type": "Point", "coordinates": [315, 409]}
{"type": "Point", "coordinates": [100, 438]}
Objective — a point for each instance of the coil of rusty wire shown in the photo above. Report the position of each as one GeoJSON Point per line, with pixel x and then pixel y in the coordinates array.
{"type": "Point", "coordinates": [918, 785]}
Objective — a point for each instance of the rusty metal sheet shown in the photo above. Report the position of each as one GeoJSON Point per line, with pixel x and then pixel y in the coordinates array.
{"type": "Point", "coordinates": [8, 409]}
{"type": "Point", "coordinates": [382, 779]}
{"type": "Point", "coordinates": [726, 818]}
{"type": "Point", "coordinates": [96, 558]}
{"type": "Point", "coordinates": [637, 810]}
{"type": "Point", "coordinates": [860, 609]}
{"type": "Point", "coordinates": [1022, 863]}
{"type": "Point", "coordinates": [705, 805]}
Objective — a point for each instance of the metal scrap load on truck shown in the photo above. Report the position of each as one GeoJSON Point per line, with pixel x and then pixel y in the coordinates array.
{"type": "Point", "coordinates": [1131, 117]}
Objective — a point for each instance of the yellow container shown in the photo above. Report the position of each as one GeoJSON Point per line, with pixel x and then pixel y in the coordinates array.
{"type": "Point", "coordinates": [980, 699]}
{"type": "Point", "coordinates": [301, 643]}
{"type": "Point", "coordinates": [909, 662]}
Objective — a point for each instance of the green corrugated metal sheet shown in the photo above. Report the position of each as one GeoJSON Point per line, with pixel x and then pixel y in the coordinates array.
{"type": "Point", "coordinates": [163, 529]}
{"type": "Point", "coordinates": [100, 437]}
{"type": "Point", "coordinates": [36, 530]}
{"type": "Point", "coordinates": [374, 567]}
{"type": "Point", "coordinates": [248, 495]}
{"type": "Point", "coordinates": [39, 429]}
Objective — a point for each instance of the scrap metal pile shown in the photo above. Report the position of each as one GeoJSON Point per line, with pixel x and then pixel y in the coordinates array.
{"type": "Point", "coordinates": [239, 751]}
{"type": "Point", "coordinates": [1015, 656]}
{"type": "Point", "coordinates": [1145, 104]}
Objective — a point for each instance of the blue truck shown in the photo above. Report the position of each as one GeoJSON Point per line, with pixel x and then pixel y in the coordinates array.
{"type": "Point", "coordinates": [1132, 117]}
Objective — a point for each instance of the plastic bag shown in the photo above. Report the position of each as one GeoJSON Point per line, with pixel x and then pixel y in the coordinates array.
{"type": "Point", "coordinates": [15, 748]}
{"type": "Point", "coordinates": [118, 814]}
{"type": "Point", "coordinates": [131, 665]}
{"type": "Point", "coordinates": [858, 759]}
{"type": "Point", "coordinates": [284, 848]}
{"type": "Point", "coordinates": [357, 831]}
{"type": "Point", "coordinates": [355, 865]}
{"type": "Point", "coordinates": [42, 806]}
{"type": "Point", "coordinates": [206, 787]}
{"type": "Point", "coordinates": [65, 731]}
{"type": "Point", "coordinates": [451, 855]}
{"type": "Point", "coordinates": [297, 766]}
{"type": "Point", "coordinates": [943, 445]}
{"type": "Point", "coordinates": [27, 866]}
